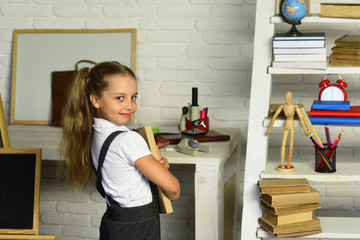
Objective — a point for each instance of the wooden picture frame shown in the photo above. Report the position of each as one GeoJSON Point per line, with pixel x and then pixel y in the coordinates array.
{"type": "Point", "coordinates": [4, 136]}
{"type": "Point", "coordinates": [20, 190]}
{"type": "Point", "coordinates": [37, 53]}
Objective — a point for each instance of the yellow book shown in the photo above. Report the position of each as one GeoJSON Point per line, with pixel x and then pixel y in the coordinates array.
{"type": "Point", "coordinates": [344, 62]}
{"type": "Point", "coordinates": [289, 199]}
{"type": "Point", "coordinates": [294, 228]}
{"type": "Point", "coordinates": [349, 41]}
{"type": "Point", "coordinates": [291, 208]}
{"type": "Point", "coordinates": [284, 185]}
{"type": "Point", "coordinates": [164, 202]}
{"type": "Point", "coordinates": [345, 56]}
{"type": "Point", "coordinates": [344, 50]}
{"type": "Point", "coordinates": [341, 10]}
{"type": "Point", "coordinates": [288, 218]}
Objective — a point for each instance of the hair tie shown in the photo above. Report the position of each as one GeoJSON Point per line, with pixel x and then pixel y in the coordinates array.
{"type": "Point", "coordinates": [89, 70]}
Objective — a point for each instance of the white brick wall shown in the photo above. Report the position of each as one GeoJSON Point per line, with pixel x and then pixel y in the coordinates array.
{"type": "Point", "coordinates": [180, 44]}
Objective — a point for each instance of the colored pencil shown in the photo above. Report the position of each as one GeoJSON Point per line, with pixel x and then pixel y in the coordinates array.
{"type": "Point", "coordinates": [327, 133]}
{"type": "Point", "coordinates": [317, 135]}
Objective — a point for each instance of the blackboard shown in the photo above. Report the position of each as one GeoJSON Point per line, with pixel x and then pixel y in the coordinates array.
{"type": "Point", "coordinates": [20, 190]}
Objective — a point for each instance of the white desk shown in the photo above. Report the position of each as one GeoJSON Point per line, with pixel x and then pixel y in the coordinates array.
{"type": "Point", "coordinates": [211, 173]}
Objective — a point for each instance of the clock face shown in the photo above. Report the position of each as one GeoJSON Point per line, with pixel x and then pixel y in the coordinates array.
{"type": "Point", "coordinates": [332, 93]}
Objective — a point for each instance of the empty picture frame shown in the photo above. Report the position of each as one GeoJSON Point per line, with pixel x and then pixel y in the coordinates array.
{"type": "Point", "coordinates": [4, 136]}
{"type": "Point", "coordinates": [37, 53]}
{"type": "Point", "coordinates": [20, 190]}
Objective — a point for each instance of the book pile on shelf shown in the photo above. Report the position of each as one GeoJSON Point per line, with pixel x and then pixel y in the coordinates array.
{"type": "Point", "coordinates": [346, 51]}
{"type": "Point", "coordinates": [334, 112]}
{"type": "Point", "coordinates": [307, 51]}
{"type": "Point", "coordinates": [288, 207]}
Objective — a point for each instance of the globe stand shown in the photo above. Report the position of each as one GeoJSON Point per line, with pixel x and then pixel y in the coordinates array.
{"type": "Point", "coordinates": [293, 31]}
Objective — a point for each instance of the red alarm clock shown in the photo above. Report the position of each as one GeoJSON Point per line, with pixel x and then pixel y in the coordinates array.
{"type": "Point", "coordinates": [333, 91]}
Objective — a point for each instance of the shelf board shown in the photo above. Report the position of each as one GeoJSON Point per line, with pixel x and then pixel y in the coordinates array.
{"type": "Point", "coordinates": [315, 18]}
{"type": "Point", "coordinates": [344, 172]}
{"type": "Point", "coordinates": [281, 123]}
{"type": "Point", "coordinates": [335, 70]}
{"type": "Point", "coordinates": [332, 227]}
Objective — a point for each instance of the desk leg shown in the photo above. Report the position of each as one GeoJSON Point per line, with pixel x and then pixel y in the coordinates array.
{"type": "Point", "coordinates": [209, 205]}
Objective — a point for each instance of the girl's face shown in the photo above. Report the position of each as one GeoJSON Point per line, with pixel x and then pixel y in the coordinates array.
{"type": "Point", "coordinates": [118, 102]}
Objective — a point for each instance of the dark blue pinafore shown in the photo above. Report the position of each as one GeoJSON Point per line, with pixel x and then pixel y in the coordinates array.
{"type": "Point", "coordinates": [134, 223]}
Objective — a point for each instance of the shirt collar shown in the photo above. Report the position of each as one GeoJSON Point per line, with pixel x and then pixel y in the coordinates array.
{"type": "Point", "coordinates": [104, 123]}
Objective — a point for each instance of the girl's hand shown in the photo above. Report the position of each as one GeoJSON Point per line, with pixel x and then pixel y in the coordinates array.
{"type": "Point", "coordinates": [164, 162]}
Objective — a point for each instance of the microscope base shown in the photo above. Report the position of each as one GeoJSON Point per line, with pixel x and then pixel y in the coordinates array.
{"type": "Point", "coordinates": [184, 147]}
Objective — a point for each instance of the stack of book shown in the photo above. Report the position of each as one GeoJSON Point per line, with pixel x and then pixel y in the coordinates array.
{"type": "Point", "coordinates": [306, 51]}
{"type": "Point", "coordinates": [334, 112]}
{"type": "Point", "coordinates": [288, 207]}
{"type": "Point", "coordinates": [346, 51]}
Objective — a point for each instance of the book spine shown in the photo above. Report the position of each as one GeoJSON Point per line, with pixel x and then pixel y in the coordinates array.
{"type": "Point", "coordinates": [300, 57]}
{"type": "Point", "coordinates": [299, 51]}
{"type": "Point", "coordinates": [298, 43]}
{"type": "Point", "coordinates": [331, 105]}
{"type": "Point", "coordinates": [335, 120]}
{"type": "Point", "coordinates": [353, 112]}
{"type": "Point", "coordinates": [301, 65]}
{"type": "Point", "coordinates": [340, 10]}
{"type": "Point", "coordinates": [294, 199]}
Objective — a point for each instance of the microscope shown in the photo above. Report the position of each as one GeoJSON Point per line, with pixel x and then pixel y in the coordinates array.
{"type": "Point", "coordinates": [188, 144]}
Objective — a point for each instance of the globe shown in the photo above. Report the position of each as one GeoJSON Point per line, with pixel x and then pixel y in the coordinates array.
{"type": "Point", "coordinates": [293, 11]}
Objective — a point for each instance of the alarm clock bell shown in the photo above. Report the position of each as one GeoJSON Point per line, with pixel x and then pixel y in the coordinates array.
{"type": "Point", "coordinates": [333, 91]}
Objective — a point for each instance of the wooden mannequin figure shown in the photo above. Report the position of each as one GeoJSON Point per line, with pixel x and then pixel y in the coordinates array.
{"type": "Point", "coordinates": [289, 111]}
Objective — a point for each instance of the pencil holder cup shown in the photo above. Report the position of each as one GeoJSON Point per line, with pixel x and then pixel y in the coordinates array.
{"type": "Point", "coordinates": [325, 159]}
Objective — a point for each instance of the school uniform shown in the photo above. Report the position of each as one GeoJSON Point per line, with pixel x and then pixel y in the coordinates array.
{"type": "Point", "coordinates": [132, 211]}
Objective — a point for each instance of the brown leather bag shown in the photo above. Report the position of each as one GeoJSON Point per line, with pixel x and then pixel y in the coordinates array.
{"type": "Point", "coordinates": [60, 83]}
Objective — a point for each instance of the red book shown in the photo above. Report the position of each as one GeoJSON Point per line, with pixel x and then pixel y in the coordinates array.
{"type": "Point", "coordinates": [353, 112]}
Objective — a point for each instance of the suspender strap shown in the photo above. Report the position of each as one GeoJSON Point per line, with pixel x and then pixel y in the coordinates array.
{"type": "Point", "coordinates": [102, 155]}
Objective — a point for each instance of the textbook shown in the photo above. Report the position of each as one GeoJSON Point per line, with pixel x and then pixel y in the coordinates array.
{"type": "Point", "coordinates": [288, 199]}
{"type": "Point", "coordinates": [294, 229]}
{"type": "Point", "coordinates": [341, 10]}
{"type": "Point", "coordinates": [305, 43]}
{"type": "Point", "coordinates": [331, 105]}
{"type": "Point", "coordinates": [335, 120]}
{"type": "Point", "coordinates": [280, 185]}
{"type": "Point", "coordinates": [348, 41]}
{"type": "Point", "coordinates": [288, 218]}
{"type": "Point", "coordinates": [291, 209]}
{"type": "Point", "coordinates": [353, 112]}
{"type": "Point", "coordinates": [279, 51]}
{"type": "Point", "coordinates": [307, 36]}
{"type": "Point", "coordinates": [146, 132]}
{"type": "Point", "coordinates": [301, 64]}
{"type": "Point", "coordinates": [345, 56]}
{"type": "Point", "coordinates": [344, 62]}
{"type": "Point", "coordinates": [299, 57]}
{"type": "Point", "coordinates": [344, 50]}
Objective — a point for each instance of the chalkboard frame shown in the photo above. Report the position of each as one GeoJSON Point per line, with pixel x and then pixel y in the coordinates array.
{"type": "Point", "coordinates": [4, 136]}
{"type": "Point", "coordinates": [38, 52]}
{"type": "Point", "coordinates": [20, 156]}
